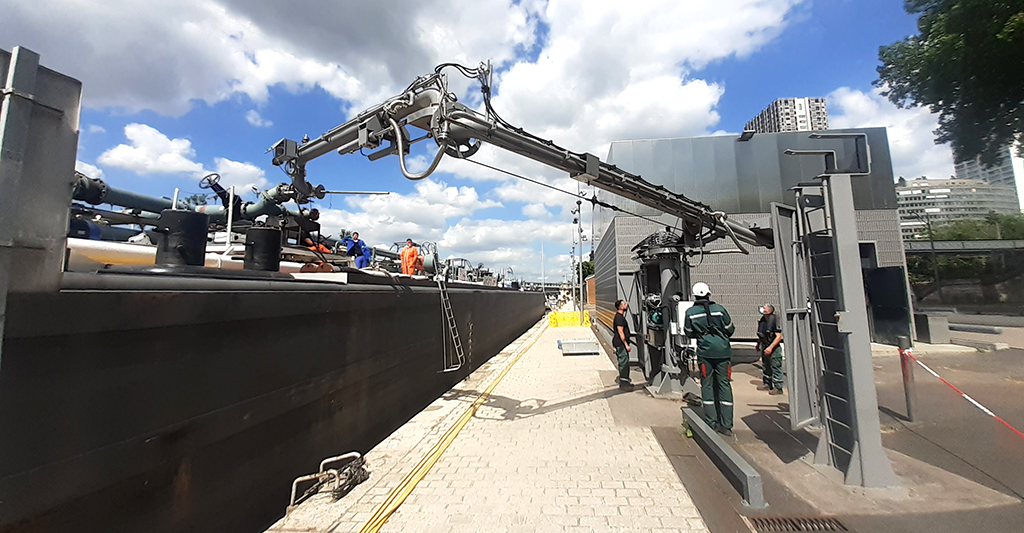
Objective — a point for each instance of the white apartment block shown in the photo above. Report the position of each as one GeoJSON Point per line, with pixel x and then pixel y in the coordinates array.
{"type": "Point", "coordinates": [949, 200]}
{"type": "Point", "coordinates": [791, 114]}
{"type": "Point", "coordinates": [1009, 171]}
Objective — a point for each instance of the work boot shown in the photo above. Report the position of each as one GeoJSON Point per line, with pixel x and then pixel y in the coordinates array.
{"type": "Point", "coordinates": [775, 392]}
{"type": "Point", "coordinates": [725, 432]}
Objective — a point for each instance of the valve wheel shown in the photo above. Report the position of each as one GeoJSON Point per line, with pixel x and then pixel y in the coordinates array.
{"type": "Point", "coordinates": [209, 181]}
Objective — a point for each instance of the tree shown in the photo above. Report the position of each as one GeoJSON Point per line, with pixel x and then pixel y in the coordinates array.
{"type": "Point", "coordinates": [195, 199]}
{"type": "Point", "coordinates": [994, 227]}
{"type": "Point", "coordinates": [588, 269]}
{"type": "Point", "coordinates": [965, 65]}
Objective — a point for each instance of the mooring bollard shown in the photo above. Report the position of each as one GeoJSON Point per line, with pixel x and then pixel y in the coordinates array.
{"type": "Point", "coordinates": [906, 365]}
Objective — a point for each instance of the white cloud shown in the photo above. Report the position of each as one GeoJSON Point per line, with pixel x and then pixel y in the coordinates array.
{"type": "Point", "coordinates": [421, 215]}
{"type": "Point", "coordinates": [538, 211]}
{"type": "Point", "coordinates": [209, 50]}
{"type": "Point", "coordinates": [150, 152]}
{"type": "Point", "coordinates": [911, 141]}
{"type": "Point", "coordinates": [92, 171]}
{"type": "Point", "coordinates": [254, 118]}
{"type": "Point", "coordinates": [93, 128]}
{"type": "Point", "coordinates": [481, 235]}
{"type": "Point", "coordinates": [242, 175]}
{"type": "Point", "coordinates": [416, 163]}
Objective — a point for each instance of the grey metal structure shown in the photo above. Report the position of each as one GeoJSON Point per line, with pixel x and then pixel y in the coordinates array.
{"type": "Point", "coordinates": [826, 244]}
{"type": "Point", "coordinates": [958, 247]}
{"type": "Point", "coordinates": [741, 475]}
{"type": "Point", "coordinates": [743, 178]}
{"type": "Point", "coordinates": [428, 105]}
{"type": "Point", "coordinates": [824, 389]}
{"type": "Point", "coordinates": [663, 287]}
{"type": "Point", "coordinates": [802, 367]}
{"type": "Point", "coordinates": [38, 142]}
{"type": "Point", "coordinates": [458, 131]}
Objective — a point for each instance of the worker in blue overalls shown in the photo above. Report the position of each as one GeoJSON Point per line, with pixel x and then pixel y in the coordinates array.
{"type": "Point", "coordinates": [710, 324]}
{"type": "Point", "coordinates": [355, 247]}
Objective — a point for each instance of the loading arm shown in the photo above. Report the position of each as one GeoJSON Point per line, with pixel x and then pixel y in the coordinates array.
{"type": "Point", "coordinates": [428, 106]}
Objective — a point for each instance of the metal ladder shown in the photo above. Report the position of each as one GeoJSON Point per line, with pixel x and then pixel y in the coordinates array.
{"type": "Point", "coordinates": [450, 365]}
{"type": "Point", "coordinates": [839, 442]}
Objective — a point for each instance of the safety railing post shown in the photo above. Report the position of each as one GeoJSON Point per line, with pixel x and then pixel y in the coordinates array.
{"type": "Point", "coordinates": [907, 367]}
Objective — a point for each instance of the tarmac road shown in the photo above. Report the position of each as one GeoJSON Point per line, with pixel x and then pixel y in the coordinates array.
{"type": "Point", "coordinates": [949, 432]}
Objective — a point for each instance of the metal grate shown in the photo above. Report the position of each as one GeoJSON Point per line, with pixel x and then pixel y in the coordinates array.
{"type": "Point", "coordinates": [767, 525]}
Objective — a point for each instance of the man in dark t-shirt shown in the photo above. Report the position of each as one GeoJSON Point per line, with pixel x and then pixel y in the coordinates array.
{"type": "Point", "coordinates": [620, 340]}
{"type": "Point", "coordinates": [769, 343]}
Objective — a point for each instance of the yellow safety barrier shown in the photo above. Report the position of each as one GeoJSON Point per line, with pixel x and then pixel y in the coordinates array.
{"type": "Point", "coordinates": [561, 319]}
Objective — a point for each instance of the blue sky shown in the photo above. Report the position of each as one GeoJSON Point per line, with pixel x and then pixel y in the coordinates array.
{"type": "Point", "coordinates": [176, 89]}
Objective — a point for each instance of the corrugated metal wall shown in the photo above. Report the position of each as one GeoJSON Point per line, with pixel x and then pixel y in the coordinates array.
{"type": "Point", "coordinates": [739, 282]}
{"type": "Point", "coordinates": [741, 178]}
{"type": "Point", "coordinates": [606, 270]}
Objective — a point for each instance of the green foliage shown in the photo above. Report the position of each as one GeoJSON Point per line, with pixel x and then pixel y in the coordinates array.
{"type": "Point", "coordinates": [588, 269]}
{"type": "Point", "coordinates": [956, 267]}
{"type": "Point", "coordinates": [994, 227]}
{"type": "Point", "coordinates": [195, 199]}
{"type": "Point", "coordinates": [965, 65]}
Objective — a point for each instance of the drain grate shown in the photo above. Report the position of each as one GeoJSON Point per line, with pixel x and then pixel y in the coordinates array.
{"type": "Point", "coordinates": [769, 525]}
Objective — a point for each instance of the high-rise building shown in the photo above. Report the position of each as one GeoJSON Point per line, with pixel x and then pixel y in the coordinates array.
{"type": "Point", "coordinates": [791, 114]}
{"type": "Point", "coordinates": [949, 200]}
{"type": "Point", "coordinates": [1008, 171]}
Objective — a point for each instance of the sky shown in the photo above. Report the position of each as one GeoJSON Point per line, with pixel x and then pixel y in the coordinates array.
{"type": "Point", "coordinates": [173, 90]}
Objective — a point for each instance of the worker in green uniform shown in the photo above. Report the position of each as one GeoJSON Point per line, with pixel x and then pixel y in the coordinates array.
{"type": "Point", "coordinates": [710, 324]}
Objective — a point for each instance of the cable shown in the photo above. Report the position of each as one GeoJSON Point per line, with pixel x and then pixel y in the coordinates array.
{"type": "Point", "coordinates": [592, 200]}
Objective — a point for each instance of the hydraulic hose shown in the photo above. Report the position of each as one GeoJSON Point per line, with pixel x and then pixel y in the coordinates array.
{"type": "Point", "coordinates": [401, 154]}
{"type": "Point", "coordinates": [728, 228]}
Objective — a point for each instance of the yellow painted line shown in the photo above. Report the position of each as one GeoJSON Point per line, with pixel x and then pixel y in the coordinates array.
{"type": "Point", "coordinates": [398, 495]}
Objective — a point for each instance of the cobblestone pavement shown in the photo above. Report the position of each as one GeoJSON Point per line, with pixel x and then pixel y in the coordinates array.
{"type": "Point", "coordinates": [542, 454]}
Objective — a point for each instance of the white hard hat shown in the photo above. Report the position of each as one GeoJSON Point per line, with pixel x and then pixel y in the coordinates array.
{"type": "Point", "coordinates": [701, 289]}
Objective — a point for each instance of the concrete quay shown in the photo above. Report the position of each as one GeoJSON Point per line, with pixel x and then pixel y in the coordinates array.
{"type": "Point", "coordinates": [543, 450]}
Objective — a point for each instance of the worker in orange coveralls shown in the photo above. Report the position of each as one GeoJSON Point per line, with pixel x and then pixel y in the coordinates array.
{"type": "Point", "coordinates": [316, 247]}
{"type": "Point", "coordinates": [411, 260]}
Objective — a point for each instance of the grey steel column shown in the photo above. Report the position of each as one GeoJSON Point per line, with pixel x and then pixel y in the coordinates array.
{"type": "Point", "coordinates": [38, 145]}
{"type": "Point", "coordinates": [869, 467]}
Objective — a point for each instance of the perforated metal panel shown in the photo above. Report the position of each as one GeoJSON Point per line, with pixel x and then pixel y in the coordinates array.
{"type": "Point", "coordinates": [881, 226]}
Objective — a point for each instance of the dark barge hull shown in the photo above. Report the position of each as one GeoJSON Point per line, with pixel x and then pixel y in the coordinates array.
{"type": "Point", "coordinates": [166, 403]}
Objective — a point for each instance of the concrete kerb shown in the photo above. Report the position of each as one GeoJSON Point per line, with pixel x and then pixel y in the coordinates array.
{"type": "Point", "coordinates": [981, 346]}
{"type": "Point", "coordinates": [734, 467]}
{"type": "Point", "coordinates": [922, 348]}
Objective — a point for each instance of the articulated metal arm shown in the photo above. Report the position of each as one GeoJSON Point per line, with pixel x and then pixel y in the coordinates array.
{"type": "Point", "coordinates": [459, 131]}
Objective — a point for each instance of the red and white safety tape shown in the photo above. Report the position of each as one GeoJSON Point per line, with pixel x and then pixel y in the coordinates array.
{"type": "Point", "coordinates": [984, 409]}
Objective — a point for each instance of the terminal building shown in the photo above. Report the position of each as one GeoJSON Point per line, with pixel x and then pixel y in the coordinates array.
{"type": "Point", "coordinates": [950, 200]}
{"type": "Point", "coordinates": [743, 178]}
{"type": "Point", "coordinates": [1007, 172]}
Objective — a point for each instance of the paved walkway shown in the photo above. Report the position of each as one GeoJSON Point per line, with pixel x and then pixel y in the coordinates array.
{"type": "Point", "coordinates": [543, 453]}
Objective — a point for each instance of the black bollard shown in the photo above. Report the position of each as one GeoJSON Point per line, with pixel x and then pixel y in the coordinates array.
{"type": "Point", "coordinates": [262, 249]}
{"type": "Point", "coordinates": [181, 238]}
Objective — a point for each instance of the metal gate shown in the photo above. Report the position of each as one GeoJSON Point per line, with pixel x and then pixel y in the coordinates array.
{"type": "Point", "coordinates": [824, 241]}
{"type": "Point", "coordinates": [802, 369]}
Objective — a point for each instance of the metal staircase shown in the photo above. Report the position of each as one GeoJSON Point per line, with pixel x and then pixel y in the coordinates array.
{"type": "Point", "coordinates": [454, 362]}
